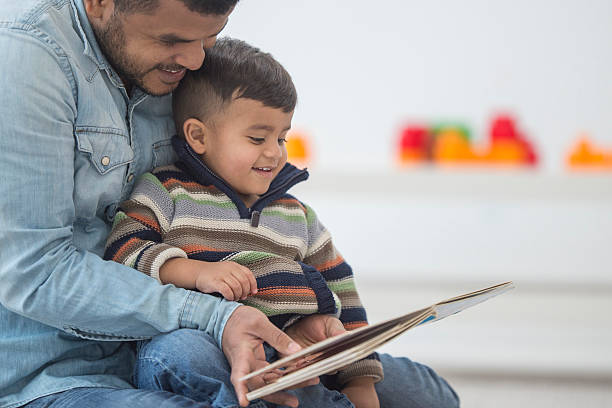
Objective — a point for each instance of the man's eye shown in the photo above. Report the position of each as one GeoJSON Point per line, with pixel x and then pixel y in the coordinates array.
{"type": "Point", "coordinates": [257, 140]}
{"type": "Point", "coordinates": [168, 43]}
{"type": "Point", "coordinates": [282, 140]}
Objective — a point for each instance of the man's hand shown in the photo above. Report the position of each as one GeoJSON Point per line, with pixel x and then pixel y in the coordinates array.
{"type": "Point", "coordinates": [361, 392]}
{"type": "Point", "coordinates": [243, 337]}
{"type": "Point", "coordinates": [314, 328]}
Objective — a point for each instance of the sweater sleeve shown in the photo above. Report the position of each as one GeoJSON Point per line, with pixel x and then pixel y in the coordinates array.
{"type": "Point", "coordinates": [136, 239]}
{"type": "Point", "coordinates": [324, 257]}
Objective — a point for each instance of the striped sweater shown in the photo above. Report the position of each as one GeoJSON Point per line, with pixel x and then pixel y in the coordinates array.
{"type": "Point", "coordinates": [185, 210]}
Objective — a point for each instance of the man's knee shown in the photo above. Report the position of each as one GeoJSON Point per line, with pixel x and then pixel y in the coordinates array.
{"type": "Point", "coordinates": [408, 383]}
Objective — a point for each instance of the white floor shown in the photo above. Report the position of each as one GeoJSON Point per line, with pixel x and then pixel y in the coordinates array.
{"type": "Point", "coordinates": [534, 346]}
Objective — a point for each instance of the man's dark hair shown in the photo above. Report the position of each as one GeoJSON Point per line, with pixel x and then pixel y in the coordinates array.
{"type": "Point", "coordinates": [232, 69]}
{"type": "Point", "coordinates": [216, 7]}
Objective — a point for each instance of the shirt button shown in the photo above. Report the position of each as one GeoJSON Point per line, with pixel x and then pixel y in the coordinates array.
{"type": "Point", "coordinates": [130, 178]}
{"type": "Point", "coordinates": [105, 161]}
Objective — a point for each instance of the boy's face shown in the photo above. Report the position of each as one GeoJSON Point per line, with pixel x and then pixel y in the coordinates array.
{"type": "Point", "coordinates": [245, 146]}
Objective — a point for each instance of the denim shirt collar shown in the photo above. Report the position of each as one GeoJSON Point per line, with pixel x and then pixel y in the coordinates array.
{"type": "Point", "coordinates": [92, 49]}
{"type": "Point", "coordinates": [191, 162]}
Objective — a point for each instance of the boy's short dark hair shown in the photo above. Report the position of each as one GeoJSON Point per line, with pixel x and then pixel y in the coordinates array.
{"type": "Point", "coordinates": [217, 7]}
{"type": "Point", "coordinates": [232, 69]}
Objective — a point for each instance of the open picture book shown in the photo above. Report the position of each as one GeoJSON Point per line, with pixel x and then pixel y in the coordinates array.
{"type": "Point", "coordinates": [336, 352]}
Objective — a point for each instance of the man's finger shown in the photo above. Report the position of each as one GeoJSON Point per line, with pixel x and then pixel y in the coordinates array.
{"type": "Point", "coordinates": [278, 339]}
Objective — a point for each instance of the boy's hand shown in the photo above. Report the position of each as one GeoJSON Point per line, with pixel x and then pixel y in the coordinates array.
{"type": "Point", "coordinates": [314, 328]}
{"type": "Point", "coordinates": [233, 281]}
{"type": "Point", "coordinates": [361, 392]}
{"type": "Point", "coordinates": [230, 279]}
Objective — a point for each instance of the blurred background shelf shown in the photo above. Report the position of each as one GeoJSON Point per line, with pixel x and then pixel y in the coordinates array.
{"type": "Point", "coordinates": [417, 236]}
{"type": "Point", "coordinates": [469, 225]}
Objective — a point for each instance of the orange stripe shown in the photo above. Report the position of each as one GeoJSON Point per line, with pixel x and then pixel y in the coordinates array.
{"type": "Point", "coordinates": [290, 201]}
{"type": "Point", "coordinates": [354, 325]}
{"type": "Point", "coordinates": [330, 264]}
{"type": "Point", "coordinates": [189, 184]}
{"type": "Point", "coordinates": [149, 222]}
{"type": "Point", "coordinates": [125, 247]}
{"type": "Point", "coordinates": [191, 249]}
{"type": "Point", "coordinates": [286, 289]}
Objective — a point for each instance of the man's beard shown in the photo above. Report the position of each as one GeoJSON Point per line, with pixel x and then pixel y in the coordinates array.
{"type": "Point", "coordinates": [111, 40]}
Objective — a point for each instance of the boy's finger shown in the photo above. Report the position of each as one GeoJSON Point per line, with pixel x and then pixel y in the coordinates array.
{"type": "Point", "coordinates": [226, 291]}
{"type": "Point", "coordinates": [234, 285]}
{"type": "Point", "coordinates": [252, 281]}
{"type": "Point", "coordinates": [245, 285]}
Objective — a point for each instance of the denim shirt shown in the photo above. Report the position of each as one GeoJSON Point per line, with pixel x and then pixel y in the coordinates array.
{"type": "Point", "coordinates": [72, 142]}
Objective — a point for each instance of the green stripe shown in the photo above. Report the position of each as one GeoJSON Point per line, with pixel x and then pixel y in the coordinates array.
{"type": "Point", "coordinates": [311, 217]}
{"type": "Point", "coordinates": [272, 312]}
{"type": "Point", "coordinates": [248, 257]}
{"type": "Point", "coordinates": [119, 216]}
{"type": "Point", "coordinates": [187, 197]}
{"type": "Point", "coordinates": [152, 179]}
{"type": "Point", "coordinates": [287, 217]}
{"type": "Point", "coordinates": [342, 286]}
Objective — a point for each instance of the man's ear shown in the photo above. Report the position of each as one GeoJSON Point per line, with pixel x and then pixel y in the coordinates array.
{"type": "Point", "coordinates": [195, 134]}
{"type": "Point", "coordinates": [99, 11]}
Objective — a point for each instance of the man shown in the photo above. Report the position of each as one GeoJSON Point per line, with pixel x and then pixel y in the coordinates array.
{"type": "Point", "coordinates": [85, 110]}
{"type": "Point", "coordinates": [84, 113]}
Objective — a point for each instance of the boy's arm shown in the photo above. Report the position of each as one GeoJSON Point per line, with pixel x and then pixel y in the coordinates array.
{"type": "Point", "coordinates": [136, 239]}
{"type": "Point", "coordinates": [323, 256]}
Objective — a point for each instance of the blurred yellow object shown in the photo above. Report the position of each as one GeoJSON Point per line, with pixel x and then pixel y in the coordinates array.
{"type": "Point", "coordinates": [298, 148]}
{"type": "Point", "coordinates": [451, 146]}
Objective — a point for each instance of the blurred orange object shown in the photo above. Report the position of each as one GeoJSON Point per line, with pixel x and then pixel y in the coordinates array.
{"type": "Point", "coordinates": [585, 154]}
{"type": "Point", "coordinates": [298, 149]}
{"type": "Point", "coordinates": [451, 146]}
{"type": "Point", "coordinates": [507, 151]}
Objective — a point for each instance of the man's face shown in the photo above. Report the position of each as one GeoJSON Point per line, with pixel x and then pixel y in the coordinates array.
{"type": "Point", "coordinates": [153, 50]}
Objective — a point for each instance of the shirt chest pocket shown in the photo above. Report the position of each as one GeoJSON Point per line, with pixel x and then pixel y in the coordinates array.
{"type": "Point", "coordinates": [106, 148]}
{"type": "Point", "coordinates": [101, 164]}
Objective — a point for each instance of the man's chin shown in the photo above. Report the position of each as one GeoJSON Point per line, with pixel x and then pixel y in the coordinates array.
{"type": "Point", "coordinates": [159, 90]}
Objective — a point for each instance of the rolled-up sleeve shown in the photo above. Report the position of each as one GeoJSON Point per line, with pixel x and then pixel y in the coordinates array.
{"type": "Point", "coordinates": [44, 274]}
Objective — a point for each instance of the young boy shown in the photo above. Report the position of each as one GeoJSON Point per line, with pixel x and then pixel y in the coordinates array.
{"type": "Point", "coordinates": [220, 219]}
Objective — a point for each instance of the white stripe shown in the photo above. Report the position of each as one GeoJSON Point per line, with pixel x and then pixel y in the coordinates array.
{"type": "Point", "coordinates": [146, 201]}
{"type": "Point", "coordinates": [243, 227]}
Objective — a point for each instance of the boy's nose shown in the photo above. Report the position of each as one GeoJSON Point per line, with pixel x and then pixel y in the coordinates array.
{"type": "Point", "coordinates": [273, 150]}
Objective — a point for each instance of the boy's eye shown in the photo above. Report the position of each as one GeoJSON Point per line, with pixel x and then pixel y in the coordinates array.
{"type": "Point", "coordinates": [257, 140]}
{"type": "Point", "coordinates": [282, 140]}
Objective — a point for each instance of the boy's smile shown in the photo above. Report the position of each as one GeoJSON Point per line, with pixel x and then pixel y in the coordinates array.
{"type": "Point", "coordinates": [244, 144]}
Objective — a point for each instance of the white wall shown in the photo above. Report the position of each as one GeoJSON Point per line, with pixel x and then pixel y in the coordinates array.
{"type": "Point", "coordinates": [363, 67]}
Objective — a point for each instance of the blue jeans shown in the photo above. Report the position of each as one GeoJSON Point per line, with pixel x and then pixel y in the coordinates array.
{"type": "Point", "coordinates": [182, 367]}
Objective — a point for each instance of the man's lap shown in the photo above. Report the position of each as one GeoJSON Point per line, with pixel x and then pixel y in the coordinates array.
{"type": "Point", "coordinates": [190, 363]}
{"type": "Point", "coordinates": [113, 398]}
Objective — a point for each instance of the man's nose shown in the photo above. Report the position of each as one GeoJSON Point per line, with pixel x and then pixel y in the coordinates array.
{"type": "Point", "coordinates": [191, 56]}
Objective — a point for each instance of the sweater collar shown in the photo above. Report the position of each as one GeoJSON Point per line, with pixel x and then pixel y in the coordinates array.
{"type": "Point", "coordinates": [191, 162]}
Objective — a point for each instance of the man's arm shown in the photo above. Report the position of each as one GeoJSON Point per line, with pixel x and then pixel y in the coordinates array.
{"type": "Point", "coordinates": [45, 275]}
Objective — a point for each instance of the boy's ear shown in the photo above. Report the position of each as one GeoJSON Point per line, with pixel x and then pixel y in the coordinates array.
{"type": "Point", "coordinates": [195, 134]}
